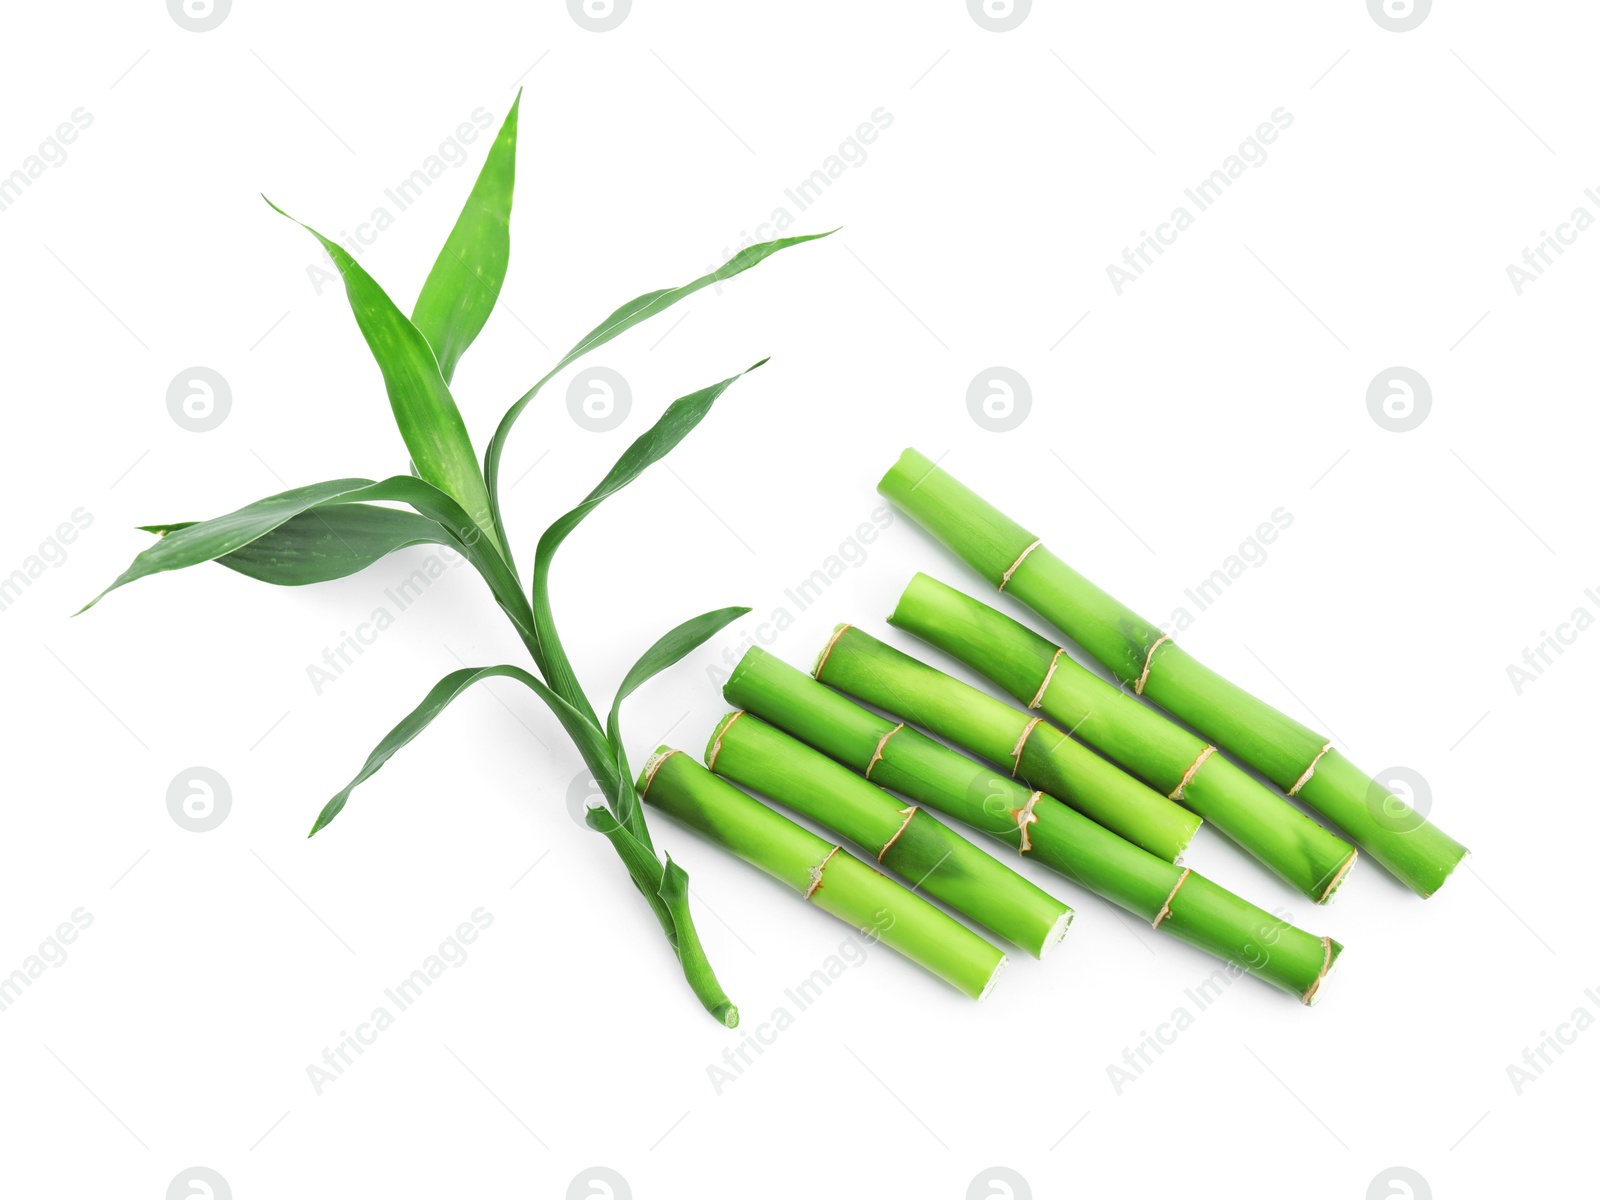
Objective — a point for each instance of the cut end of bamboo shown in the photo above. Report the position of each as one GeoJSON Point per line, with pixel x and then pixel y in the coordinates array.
{"type": "Point", "coordinates": [1338, 878]}
{"type": "Point", "coordinates": [912, 464]}
{"type": "Point", "coordinates": [993, 977]}
{"type": "Point", "coordinates": [653, 764]}
{"type": "Point", "coordinates": [894, 617]}
{"type": "Point", "coordinates": [1449, 871]}
{"type": "Point", "coordinates": [822, 658]}
{"type": "Point", "coordinates": [1056, 934]}
{"type": "Point", "coordinates": [1333, 952]}
{"type": "Point", "coordinates": [714, 746]}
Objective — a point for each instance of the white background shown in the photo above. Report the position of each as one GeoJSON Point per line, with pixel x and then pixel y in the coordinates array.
{"type": "Point", "coordinates": [1172, 419]}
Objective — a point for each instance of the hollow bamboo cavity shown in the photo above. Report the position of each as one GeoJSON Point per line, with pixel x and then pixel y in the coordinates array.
{"type": "Point", "coordinates": [1163, 754]}
{"type": "Point", "coordinates": [1137, 653]}
{"type": "Point", "coordinates": [1171, 898]}
{"type": "Point", "coordinates": [860, 665]}
{"type": "Point", "coordinates": [820, 872]}
{"type": "Point", "coordinates": [907, 840]}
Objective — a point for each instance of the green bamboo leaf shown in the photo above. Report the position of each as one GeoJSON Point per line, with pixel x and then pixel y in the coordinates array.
{"type": "Point", "coordinates": [423, 407]}
{"type": "Point", "coordinates": [643, 867]}
{"type": "Point", "coordinates": [461, 290]}
{"type": "Point", "coordinates": [669, 649]}
{"type": "Point", "coordinates": [206, 541]}
{"type": "Point", "coordinates": [641, 308]}
{"type": "Point", "coordinates": [324, 543]}
{"type": "Point", "coordinates": [435, 702]}
{"type": "Point", "coordinates": [667, 890]}
{"type": "Point", "coordinates": [682, 415]}
{"type": "Point", "coordinates": [696, 968]}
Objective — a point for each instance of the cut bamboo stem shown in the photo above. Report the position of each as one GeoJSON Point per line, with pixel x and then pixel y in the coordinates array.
{"type": "Point", "coordinates": [1136, 652]}
{"type": "Point", "coordinates": [1171, 898]}
{"type": "Point", "coordinates": [820, 872]}
{"type": "Point", "coordinates": [1163, 754]}
{"type": "Point", "coordinates": [860, 665]}
{"type": "Point", "coordinates": [907, 840]}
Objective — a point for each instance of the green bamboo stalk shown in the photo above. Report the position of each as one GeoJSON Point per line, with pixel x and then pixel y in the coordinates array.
{"type": "Point", "coordinates": [820, 872]}
{"type": "Point", "coordinates": [909, 841]}
{"type": "Point", "coordinates": [859, 665]}
{"type": "Point", "coordinates": [1162, 753]}
{"type": "Point", "coordinates": [1136, 652]}
{"type": "Point", "coordinates": [1171, 898]}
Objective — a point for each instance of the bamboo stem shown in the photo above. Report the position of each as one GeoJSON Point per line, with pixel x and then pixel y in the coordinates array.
{"type": "Point", "coordinates": [909, 841]}
{"type": "Point", "coordinates": [859, 665]}
{"type": "Point", "coordinates": [820, 872]}
{"type": "Point", "coordinates": [1171, 898]}
{"type": "Point", "coordinates": [1140, 655]}
{"type": "Point", "coordinates": [1166, 756]}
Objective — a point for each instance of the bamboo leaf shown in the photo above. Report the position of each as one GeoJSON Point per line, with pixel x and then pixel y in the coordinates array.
{"type": "Point", "coordinates": [435, 702]}
{"type": "Point", "coordinates": [640, 308]}
{"type": "Point", "coordinates": [642, 865]}
{"type": "Point", "coordinates": [667, 890]}
{"type": "Point", "coordinates": [681, 416]}
{"type": "Point", "coordinates": [669, 649]}
{"type": "Point", "coordinates": [324, 543]}
{"type": "Point", "coordinates": [696, 968]}
{"type": "Point", "coordinates": [423, 407]}
{"type": "Point", "coordinates": [206, 541]}
{"type": "Point", "coordinates": [464, 284]}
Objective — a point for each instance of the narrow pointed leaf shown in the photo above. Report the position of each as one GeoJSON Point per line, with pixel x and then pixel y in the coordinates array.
{"type": "Point", "coordinates": [681, 416]}
{"type": "Point", "coordinates": [435, 702]}
{"type": "Point", "coordinates": [640, 860]}
{"type": "Point", "coordinates": [669, 649]}
{"type": "Point", "coordinates": [696, 968]}
{"type": "Point", "coordinates": [206, 541]}
{"type": "Point", "coordinates": [667, 890]}
{"type": "Point", "coordinates": [423, 407]}
{"type": "Point", "coordinates": [461, 290]}
{"type": "Point", "coordinates": [640, 308]}
{"type": "Point", "coordinates": [324, 543]}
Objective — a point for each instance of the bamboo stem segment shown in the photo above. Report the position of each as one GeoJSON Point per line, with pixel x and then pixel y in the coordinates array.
{"type": "Point", "coordinates": [1166, 756]}
{"type": "Point", "coordinates": [908, 841]}
{"type": "Point", "coordinates": [1141, 656]}
{"type": "Point", "coordinates": [820, 872]}
{"type": "Point", "coordinates": [1171, 898]}
{"type": "Point", "coordinates": [860, 665]}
